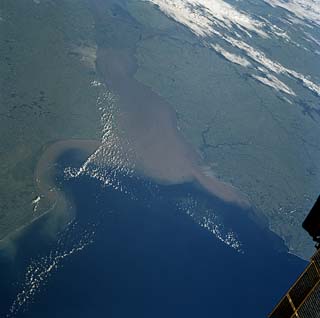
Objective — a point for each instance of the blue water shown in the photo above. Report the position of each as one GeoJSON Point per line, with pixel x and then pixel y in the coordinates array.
{"type": "Point", "coordinates": [148, 259]}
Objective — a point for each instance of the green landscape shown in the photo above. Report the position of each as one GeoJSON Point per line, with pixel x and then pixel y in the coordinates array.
{"type": "Point", "coordinates": [47, 66]}
{"type": "Point", "coordinates": [246, 134]}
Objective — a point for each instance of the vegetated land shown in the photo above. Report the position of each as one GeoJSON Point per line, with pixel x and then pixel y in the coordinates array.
{"type": "Point", "coordinates": [47, 56]}
{"type": "Point", "coordinates": [248, 135]}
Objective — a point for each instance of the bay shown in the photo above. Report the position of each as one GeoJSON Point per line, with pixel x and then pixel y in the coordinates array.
{"type": "Point", "coordinates": [136, 253]}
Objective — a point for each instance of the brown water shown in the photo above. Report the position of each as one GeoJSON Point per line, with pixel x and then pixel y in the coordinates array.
{"type": "Point", "coordinates": [149, 124]}
{"type": "Point", "coordinates": [51, 199]}
{"type": "Point", "coordinates": [45, 168]}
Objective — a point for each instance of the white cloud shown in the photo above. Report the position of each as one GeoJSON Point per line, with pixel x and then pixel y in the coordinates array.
{"type": "Point", "coordinates": [274, 82]}
{"type": "Point", "coordinates": [312, 39]}
{"type": "Point", "coordinates": [237, 59]}
{"type": "Point", "coordinates": [203, 17]}
{"type": "Point", "coordinates": [303, 9]}
{"type": "Point", "coordinates": [208, 18]}
{"type": "Point", "coordinates": [272, 66]}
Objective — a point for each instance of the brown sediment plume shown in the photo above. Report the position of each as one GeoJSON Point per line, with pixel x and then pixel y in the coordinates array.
{"type": "Point", "coordinates": [44, 171]}
{"type": "Point", "coordinates": [146, 134]}
{"type": "Point", "coordinates": [149, 124]}
{"type": "Point", "coordinates": [50, 198]}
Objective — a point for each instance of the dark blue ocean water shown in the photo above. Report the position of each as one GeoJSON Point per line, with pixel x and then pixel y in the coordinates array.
{"type": "Point", "coordinates": [148, 259]}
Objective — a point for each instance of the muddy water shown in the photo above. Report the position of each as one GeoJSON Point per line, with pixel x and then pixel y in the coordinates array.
{"type": "Point", "coordinates": [149, 124]}
{"type": "Point", "coordinates": [45, 168]}
{"type": "Point", "coordinates": [52, 200]}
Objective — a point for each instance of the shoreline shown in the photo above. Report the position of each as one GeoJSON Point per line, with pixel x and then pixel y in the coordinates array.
{"type": "Point", "coordinates": [54, 199]}
{"type": "Point", "coordinates": [149, 123]}
{"type": "Point", "coordinates": [50, 197]}
{"type": "Point", "coordinates": [161, 152]}
{"type": "Point", "coordinates": [50, 155]}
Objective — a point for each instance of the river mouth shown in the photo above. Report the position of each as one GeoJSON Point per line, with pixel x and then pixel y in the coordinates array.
{"type": "Point", "coordinates": [139, 253]}
{"type": "Point", "coordinates": [149, 125]}
{"type": "Point", "coordinates": [146, 139]}
{"type": "Point", "coordinates": [55, 208]}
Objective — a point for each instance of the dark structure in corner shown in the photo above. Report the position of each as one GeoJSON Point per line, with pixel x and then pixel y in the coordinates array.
{"type": "Point", "coordinates": [303, 298]}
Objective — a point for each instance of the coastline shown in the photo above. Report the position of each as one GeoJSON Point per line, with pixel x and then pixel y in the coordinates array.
{"type": "Point", "coordinates": [50, 197]}
{"type": "Point", "coordinates": [149, 123]}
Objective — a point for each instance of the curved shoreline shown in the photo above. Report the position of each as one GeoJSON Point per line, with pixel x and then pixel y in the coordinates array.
{"type": "Point", "coordinates": [44, 179]}
{"type": "Point", "coordinates": [56, 201]}
{"type": "Point", "coordinates": [150, 125]}
{"type": "Point", "coordinates": [49, 196]}
{"type": "Point", "coordinates": [161, 152]}
{"type": "Point", "coordinates": [47, 161]}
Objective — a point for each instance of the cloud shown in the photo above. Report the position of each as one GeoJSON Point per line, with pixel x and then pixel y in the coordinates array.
{"type": "Point", "coordinates": [274, 82]}
{"type": "Point", "coordinates": [273, 66]}
{"type": "Point", "coordinates": [237, 59]}
{"type": "Point", "coordinates": [211, 19]}
{"type": "Point", "coordinates": [204, 16]}
{"type": "Point", "coordinates": [308, 10]}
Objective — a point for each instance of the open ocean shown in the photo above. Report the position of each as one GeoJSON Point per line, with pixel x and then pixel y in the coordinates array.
{"type": "Point", "coordinates": [136, 253]}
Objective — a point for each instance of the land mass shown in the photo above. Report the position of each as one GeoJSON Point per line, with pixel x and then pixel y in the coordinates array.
{"type": "Point", "coordinates": [183, 113]}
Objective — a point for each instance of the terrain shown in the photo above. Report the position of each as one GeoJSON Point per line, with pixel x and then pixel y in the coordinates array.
{"type": "Point", "coordinates": [243, 90]}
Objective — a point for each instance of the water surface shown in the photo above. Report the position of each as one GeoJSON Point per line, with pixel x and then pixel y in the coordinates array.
{"type": "Point", "coordinates": [142, 256]}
